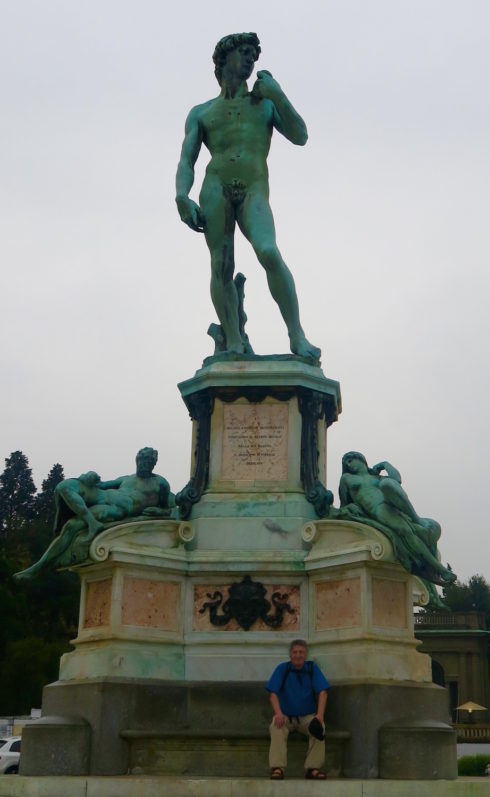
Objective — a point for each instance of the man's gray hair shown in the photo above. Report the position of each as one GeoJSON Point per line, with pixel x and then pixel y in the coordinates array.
{"type": "Point", "coordinates": [301, 642]}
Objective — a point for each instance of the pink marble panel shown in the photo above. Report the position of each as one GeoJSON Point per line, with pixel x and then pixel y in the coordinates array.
{"type": "Point", "coordinates": [338, 604]}
{"type": "Point", "coordinates": [203, 593]}
{"type": "Point", "coordinates": [389, 603]}
{"type": "Point", "coordinates": [97, 603]}
{"type": "Point", "coordinates": [151, 604]}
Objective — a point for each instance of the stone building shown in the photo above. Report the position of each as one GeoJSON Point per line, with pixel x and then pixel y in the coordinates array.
{"type": "Point", "coordinates": [458, 644]}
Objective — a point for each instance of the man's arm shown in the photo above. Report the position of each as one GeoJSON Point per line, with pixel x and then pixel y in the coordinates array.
{"type": "Point", "coordinates": [321, 705]}
{"type": "Point", "coordinates": [189, 211]}
{"type": "Point", "coordinates": [286, 119]}
{"type": "Point", "coordinates": [279, 718]}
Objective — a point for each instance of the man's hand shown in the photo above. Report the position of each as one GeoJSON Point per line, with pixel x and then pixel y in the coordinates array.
{"type": "Point", "coordinates": [279, 720]}
{"type": "Point", "coordinates": [265, 86]}
{"type": "Point", "coordinates": [190, 213]}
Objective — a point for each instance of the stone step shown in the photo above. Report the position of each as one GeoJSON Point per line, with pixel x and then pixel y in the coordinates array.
{"type": "Point", "coordinates": [153, 752]}
{"type": "Point", "coordinates": [128, 786]}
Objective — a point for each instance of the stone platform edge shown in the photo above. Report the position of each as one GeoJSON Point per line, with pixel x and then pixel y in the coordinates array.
{"type": "Point", "coordinates": [147, 786]}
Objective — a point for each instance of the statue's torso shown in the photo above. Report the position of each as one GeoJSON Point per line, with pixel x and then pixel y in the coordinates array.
{"type": "Point", "coordinates": [237, 133]}
{"type": "Point", "coordinates": [143, 492]}
{"type": "Point", "coordinates": [364, 491]}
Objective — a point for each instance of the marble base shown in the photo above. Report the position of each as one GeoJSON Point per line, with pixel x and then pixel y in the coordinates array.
{"type": "Point", "coordinates": [132, 786]}
{"type": "Point", "coordinates": [134, 724]}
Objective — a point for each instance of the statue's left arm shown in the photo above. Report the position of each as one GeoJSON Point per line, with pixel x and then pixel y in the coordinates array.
{"type": "Point", "coordinates": [391, 471]}
{"type": "Point", "coordinates": [286, 119]}
{"type": "Point", "coordinates": [165, 501]}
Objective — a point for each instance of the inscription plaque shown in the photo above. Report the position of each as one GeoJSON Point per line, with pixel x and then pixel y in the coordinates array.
{"type": "Point", "coordinates": [255, 442]}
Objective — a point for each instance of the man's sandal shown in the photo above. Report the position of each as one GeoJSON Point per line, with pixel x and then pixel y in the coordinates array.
{"type": "Point", "coordinates": [276, 773]}
{"type": "Point", "coordinates": [315, 774]}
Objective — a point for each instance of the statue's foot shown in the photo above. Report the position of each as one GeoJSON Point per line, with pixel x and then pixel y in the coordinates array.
{"type": "Point", "coordinates": [94, 527]}
{"type": "Point", "coordinates": [25, 575]}
{"type": "Point", "coordinates": [301, 346]}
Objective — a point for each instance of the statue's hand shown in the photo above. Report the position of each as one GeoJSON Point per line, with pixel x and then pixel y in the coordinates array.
{"type": "Point", "coordinates": [378, 468]}
{"type": "Point", "coordinates": [156, 511]}
{"type": "Point", "coordinates": [265, 86]}
{"type": "Point", "coordinates": [190, 213]}
{"type": "Point", "coordinates": [352, 510]}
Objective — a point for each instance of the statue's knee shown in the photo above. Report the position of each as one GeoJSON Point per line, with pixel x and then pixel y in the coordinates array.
{"type": "Point", "coordinates": [268, 254]}
{"type": "Point", "coordinates": [61, 490]}
{"type": "Point", "coordinates": [222, 268]}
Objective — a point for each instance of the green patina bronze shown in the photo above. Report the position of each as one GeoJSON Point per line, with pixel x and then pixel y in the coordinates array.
{"type": "Point", "coordinates": [87, 505]}
{"type": "Point", "coordinates": [381, 502]}
{"type": "Point", "coordinates": [237, 127]}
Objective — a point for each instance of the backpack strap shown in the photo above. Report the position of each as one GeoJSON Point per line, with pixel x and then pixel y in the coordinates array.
{"type": "Point", "coordinates": [285, 675]}
{"type": "Point", "coordinates": [309, 670]}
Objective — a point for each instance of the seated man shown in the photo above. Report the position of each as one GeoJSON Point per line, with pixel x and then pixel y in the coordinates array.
{"type": "Point", "coordinates": [298, 695]}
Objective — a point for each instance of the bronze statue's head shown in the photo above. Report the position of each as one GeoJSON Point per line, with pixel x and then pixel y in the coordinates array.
{"type": "Point", "coordinates": [229, 43]}
{"type": "Point", "coordinates": [146, 459]}
{"type": "Point", "coordinates": [352, 455]}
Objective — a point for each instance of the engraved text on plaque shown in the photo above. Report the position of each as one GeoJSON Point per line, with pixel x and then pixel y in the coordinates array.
{"type": "Point", "coordinates": [255, 442]}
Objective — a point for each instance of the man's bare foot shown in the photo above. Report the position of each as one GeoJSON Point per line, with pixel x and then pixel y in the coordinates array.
{"type": "Point", "coordinates": [299, 345]}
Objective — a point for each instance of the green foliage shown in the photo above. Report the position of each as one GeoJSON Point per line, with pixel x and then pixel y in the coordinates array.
{"type": "Point", "coordinates": [470, 596]}
{"type": "Point", "coordinates": [39, 617]}
{"type": "Point", "coordinates": [16, 496]}
{"type": "Point", "coordinates": [28, 665]}
{"type": "Point", "coordinates": [473, 765]}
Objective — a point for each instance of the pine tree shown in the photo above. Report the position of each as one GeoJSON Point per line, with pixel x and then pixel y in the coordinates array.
{"type": "Point", "coordinates": [44, 504]}
{"type": "Point", "coordinates": [39, 533]}
{"type": "Point", "coordinates": [17, 492]}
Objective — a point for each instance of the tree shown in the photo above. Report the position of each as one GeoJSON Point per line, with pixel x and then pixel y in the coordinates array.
{"type": "Point", "coordinates": [44, 503]}
{"type": "Point", "coordinates": [39, 533]}
{"type": "Point", "coordinates": [17, 491]}
{"type": "Point", "coordinates": [38, 618]}
{"type": "Point", "coordinates": [470, 596]}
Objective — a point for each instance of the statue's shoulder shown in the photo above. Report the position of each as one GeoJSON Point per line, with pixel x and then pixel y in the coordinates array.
{"type": "Point", "coordinates": [199, 110]}
{"type": "Point", "coordinates": [161, 480]}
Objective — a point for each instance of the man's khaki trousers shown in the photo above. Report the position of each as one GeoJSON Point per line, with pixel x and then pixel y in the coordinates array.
{"type": "Point", "coordinates": [278, 755]}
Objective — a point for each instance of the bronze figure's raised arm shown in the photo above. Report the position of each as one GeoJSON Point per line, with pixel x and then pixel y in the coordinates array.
{"type": "Point", "coordinates": [236, 127]}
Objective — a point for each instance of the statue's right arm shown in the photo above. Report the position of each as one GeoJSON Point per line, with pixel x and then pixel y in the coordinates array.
{"type": "Point", "coordinates": [343, 492]}
{"type": "Point", "coordinates": [189, 211]}
{"type": "Point", "coordinates": [112, 484]}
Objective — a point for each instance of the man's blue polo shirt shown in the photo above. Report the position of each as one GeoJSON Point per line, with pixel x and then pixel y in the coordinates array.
{"type": "Point", "coordinates": [298, 690]}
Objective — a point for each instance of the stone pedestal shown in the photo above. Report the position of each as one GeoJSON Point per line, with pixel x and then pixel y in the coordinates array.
{"type": "Point", "coordinates": [183, 620]}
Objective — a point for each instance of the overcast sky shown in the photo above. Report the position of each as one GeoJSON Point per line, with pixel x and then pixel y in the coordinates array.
{"type": "Point", "coordinates": [383, 219]}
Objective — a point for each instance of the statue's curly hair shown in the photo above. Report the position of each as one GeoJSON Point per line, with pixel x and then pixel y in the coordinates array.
{"type": "Point", "coordinates": [150, 451]}
{"type": "Point", "coordinates": [229, 43]}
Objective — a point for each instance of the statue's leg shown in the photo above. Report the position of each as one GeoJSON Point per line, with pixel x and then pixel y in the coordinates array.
{"type": "Point", "coordinates": [76, 503]}
{"type": "Point", "coordinates": [257, 224]}
{"type": "Point", "coordinates": [53, 552]}
{"type": "Point", "coordinates": [219, 232]}
{"type": "Point", "coordinates": [419, 552]}
{"type": "Point", "coordinates": [396, 495]}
